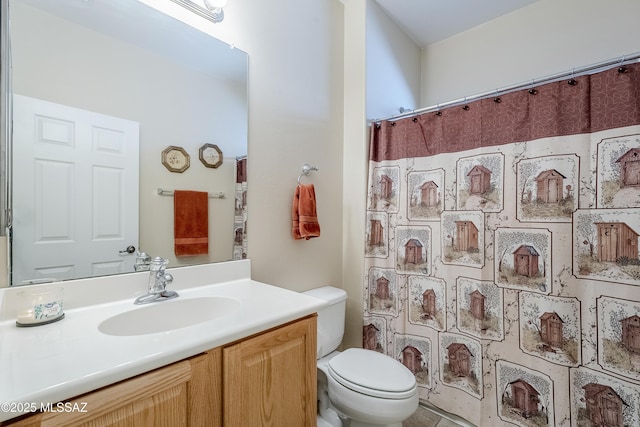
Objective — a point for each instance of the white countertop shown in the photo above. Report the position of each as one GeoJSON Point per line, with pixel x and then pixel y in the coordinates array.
{"type": "Point", "coordinates": [61, 360]}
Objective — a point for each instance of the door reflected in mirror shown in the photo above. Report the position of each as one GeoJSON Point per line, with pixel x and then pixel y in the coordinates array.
{"type": "Point", "coordinates": [100, 89]}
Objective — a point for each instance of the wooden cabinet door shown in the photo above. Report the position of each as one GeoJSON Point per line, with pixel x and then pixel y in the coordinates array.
{"type": "Point", "coordinates": [186, 393]}
{"type": "Point", "coordinates": [270, 379]}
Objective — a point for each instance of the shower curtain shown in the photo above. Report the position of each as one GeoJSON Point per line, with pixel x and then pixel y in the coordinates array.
{"type": "Point", "coordinates": [240, 214]}
{"type": "Point", "coordinates": [502, 259]}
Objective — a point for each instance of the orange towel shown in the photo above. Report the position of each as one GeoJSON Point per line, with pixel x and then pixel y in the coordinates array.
{"type": "Point", "coordinates": [303, 213]}
{"type": "Point", "coordinates": [191, 223]}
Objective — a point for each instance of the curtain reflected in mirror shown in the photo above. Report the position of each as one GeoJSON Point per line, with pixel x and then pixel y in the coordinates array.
{"type": "Point", "coordinates": [240, 226]}
{"type": "Point", "coordinates": [102, 89]}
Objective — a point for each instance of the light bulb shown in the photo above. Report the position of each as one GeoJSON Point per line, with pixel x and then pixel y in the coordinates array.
{"type": "Point", "coordinates": [215, 4]}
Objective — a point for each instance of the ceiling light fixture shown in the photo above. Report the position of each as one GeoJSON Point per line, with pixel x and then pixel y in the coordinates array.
{"type": "Point", "coordinates": [208, 9]}
{"type": "Point", "coordinates": [217, 9]}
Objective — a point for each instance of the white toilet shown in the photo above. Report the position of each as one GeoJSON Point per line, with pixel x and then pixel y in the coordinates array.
{"type": "Point", "coordinates": [357, 387]}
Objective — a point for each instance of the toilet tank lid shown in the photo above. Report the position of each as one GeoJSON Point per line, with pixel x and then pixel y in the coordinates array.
{"type": "Point", "coordinates": [328, 293]}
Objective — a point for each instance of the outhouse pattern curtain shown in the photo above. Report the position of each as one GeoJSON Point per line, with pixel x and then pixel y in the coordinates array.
{"type": "Point", "coordinates": [240, 214]}
{"type": "Point", "coordinates": [502, 260]}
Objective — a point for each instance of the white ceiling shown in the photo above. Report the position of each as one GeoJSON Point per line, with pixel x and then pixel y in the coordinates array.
{"type": "Point", "coordinates": [429, 21]}
{"type": "Point", "coordinates": [424, 21]}
{"type": "Point", "coordinates": [136, 23]}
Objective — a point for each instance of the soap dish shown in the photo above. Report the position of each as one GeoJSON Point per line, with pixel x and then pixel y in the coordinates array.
{"type": "Point", "coordinates": [44, 322]}
{"type": "Point", "coordinates": [39, 306]}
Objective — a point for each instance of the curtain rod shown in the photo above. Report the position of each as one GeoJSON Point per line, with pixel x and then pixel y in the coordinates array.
{"type": "Point", "coordinates": [576, 72]}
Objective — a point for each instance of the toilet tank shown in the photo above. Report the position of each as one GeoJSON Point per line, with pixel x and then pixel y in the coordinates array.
{"type": "Point", "coordinates": [330, 318]}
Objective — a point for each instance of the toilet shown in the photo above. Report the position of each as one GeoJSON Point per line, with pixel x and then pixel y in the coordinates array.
{"type": "Point", "coordinates": [357, 387]}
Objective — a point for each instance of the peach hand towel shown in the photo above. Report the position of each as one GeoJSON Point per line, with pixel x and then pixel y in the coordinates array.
{"type": "Point", "coordinates": [191, 223]}
{"type": "Point", "coordinates": [303, 213]}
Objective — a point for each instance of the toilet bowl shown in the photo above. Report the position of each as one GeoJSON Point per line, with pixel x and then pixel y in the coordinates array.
{"type": "Point", "coordinates": [363, 387]}
{"type": "Point", "coordinates": [370, 388]}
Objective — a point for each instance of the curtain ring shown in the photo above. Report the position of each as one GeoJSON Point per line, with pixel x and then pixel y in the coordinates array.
{"type": "Point", "coordinates": [622, 69]}
{"type": "Point", "coordinates": [497, 99]}
{"type": "Point", "coordinates": [438, 112]}
{"type": "Point", "coordinates": [572, 81]}
{"type": "Point", "coordinates": [533, 90]}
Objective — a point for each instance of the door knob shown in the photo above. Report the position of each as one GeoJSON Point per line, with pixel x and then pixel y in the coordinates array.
{"type": "Point", "coordinates": [130, 249]}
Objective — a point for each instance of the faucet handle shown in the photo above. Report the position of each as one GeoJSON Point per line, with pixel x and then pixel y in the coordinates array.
{"type": "Point", "coordinates": [167, 279]}
{"type": "Point", "coordinates": [164, 281]}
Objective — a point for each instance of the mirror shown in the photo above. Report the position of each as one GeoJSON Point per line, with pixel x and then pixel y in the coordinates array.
{"type": "Point", "coordinates": [128, 72]}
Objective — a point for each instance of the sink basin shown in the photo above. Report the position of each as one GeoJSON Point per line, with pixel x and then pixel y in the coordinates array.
{"type": "Point", "coordinates": [168, 315]}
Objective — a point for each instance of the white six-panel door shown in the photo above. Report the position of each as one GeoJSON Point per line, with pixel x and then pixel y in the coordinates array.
{"type": "Point", "coordinates": [75, 192]}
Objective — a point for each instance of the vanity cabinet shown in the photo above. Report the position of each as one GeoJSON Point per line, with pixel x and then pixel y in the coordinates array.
{"type": "Point", "coordinates": [185, 393]}
{"type": "Point", "coordinates": [268, 379]}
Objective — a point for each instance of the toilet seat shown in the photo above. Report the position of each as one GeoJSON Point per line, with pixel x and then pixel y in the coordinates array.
{"type": "Point", "coordinates": [372, 374]}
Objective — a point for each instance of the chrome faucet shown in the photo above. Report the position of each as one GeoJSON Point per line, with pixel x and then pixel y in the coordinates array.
{"type": "Point", "coordinates": [158, 281]}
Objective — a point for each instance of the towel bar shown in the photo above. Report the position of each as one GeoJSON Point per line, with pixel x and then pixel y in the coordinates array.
{"type": "Point", "coordinates": [161, 192]}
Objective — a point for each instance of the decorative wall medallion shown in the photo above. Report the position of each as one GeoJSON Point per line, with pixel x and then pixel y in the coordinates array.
{"type": "Point", "coordinates": [175, 159]}
{"type": "Point", "coordinates": [210, 155]}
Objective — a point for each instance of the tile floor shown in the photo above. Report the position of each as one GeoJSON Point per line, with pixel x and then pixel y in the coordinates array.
{"type": "Point", "coordinates": [425, 417]}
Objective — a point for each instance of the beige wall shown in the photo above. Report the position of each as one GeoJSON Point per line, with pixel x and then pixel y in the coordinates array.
{"type": "Point", "coordinates": [355, 167]}
{"type": "Point", "coordinates": [3, 262]}
{"type": "Point", "coordinates": [295, 117]}
{"type": "Point", "coordinates": [296, 100]}
{"type": "Point", "coordinates": [393, 64]}
{"type": "Point", "coordinates": [547, 37]}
